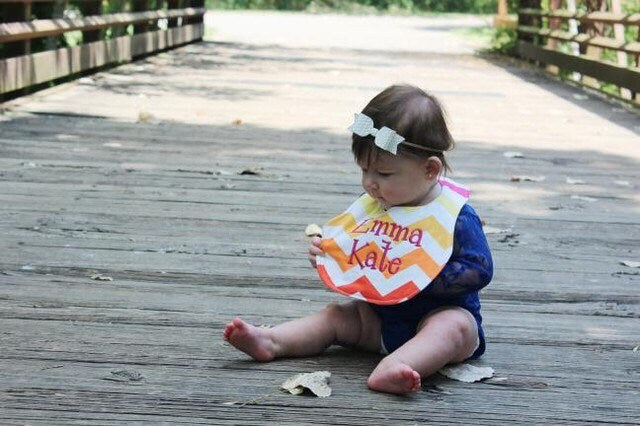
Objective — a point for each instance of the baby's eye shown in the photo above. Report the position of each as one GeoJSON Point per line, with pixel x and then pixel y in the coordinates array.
{"type": "Point", "coordinates": [385, 174]}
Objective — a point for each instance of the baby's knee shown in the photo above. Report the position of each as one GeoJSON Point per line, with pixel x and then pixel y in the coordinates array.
{"type": "Point", "coordinates": [460, 325]}
{"type": "Point", "coordinates": [337, 311]}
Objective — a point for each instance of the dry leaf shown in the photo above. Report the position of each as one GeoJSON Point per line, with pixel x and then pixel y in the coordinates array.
{"type": "Point", "coordinates": [466, 373]}
{"type": "Point", "coordinates": [513, 154]}
{"type": "Point", "coordinates": [523, 178]}
{"type": "Point", "coordinates": [144, 117]}
{"type": "Point", "coordinates": [317, 382]}
{"type": "Point", "coordinates": [99, 277]}
{"type": "Point", "coordinates": [313, 230]}
{"type": "Point", "coordinates": [630, 263]}
{"type": "Point", "coordinates": [236, 122]}
{"type": "Point", "coordinates": [251, 172]}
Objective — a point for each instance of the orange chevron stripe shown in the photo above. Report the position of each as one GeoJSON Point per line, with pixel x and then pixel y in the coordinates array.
{"type": "Point", "coordinates": [418, 257]}
{"type": "Point", "coordinates": [363, 286]}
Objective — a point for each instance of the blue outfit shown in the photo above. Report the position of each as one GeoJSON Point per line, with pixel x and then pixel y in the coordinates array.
{"type": "Point", "coordinates": [469, 269]}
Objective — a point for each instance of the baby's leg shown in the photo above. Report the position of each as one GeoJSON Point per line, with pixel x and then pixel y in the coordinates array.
{"type": "Point", "coordinates": [444, 336]}
{"type": "Point", "coordinates": [352, 324]}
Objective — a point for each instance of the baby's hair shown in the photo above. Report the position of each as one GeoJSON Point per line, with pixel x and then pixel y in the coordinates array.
{"type": "Point", "coordinates": [415, 115]}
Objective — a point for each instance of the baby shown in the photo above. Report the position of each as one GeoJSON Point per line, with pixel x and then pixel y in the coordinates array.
{"type": "Point", "coordinates": [399, 141]}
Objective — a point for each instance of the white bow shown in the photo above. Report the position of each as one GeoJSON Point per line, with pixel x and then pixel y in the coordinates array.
{"type": "Point", "coordinates": [385, 138]}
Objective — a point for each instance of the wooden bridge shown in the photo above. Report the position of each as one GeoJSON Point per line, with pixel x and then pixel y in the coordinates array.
{"type": "Point", "coordinates": [143, 207]}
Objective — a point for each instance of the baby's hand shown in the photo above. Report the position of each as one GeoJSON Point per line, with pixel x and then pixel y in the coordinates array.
{"type": "Point", "coordinates": [315, 250]}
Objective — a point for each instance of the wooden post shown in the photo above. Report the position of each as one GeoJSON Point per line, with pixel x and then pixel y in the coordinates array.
{"type": "Point", "coordinates": [91, 8]}
{"type": "Point", "coordinates": [17, 12]}
{"type": "Point", "coordinates": [554, 24]}
{"type": "Point", "coordinates": [528, 20]}
{"type": "Point", "coordinates": [140, 6]}
{"type": "Point", "coordinates": [593, 29]}
{"type": "Point", "coordinates": [502, 19]}
{"type": "Point", "coordinates": [618, 31]}
{"type": "Point", "coordinates": [573, 29]}
{"type": "Point", "coordinates": [173, 4]}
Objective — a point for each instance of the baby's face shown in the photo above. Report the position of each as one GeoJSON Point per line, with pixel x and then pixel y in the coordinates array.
{"type": "Point", "coordinates": [395, 180]}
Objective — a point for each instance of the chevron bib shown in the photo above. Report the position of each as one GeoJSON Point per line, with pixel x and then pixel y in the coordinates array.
{"type": "Point", "coordinates": [388, 256]}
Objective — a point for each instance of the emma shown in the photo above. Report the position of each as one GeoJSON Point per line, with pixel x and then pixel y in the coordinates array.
{"type": "Point", "coordinates": [393, 230]}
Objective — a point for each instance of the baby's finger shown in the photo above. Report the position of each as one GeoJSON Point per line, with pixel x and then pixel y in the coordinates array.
{"type": "Point", "coordinates": [316, 241]}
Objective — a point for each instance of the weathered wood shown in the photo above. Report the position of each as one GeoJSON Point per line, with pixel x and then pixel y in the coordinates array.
{"type": "Point", "coordinates": [163, 208]}
{"type": "Point", "coordinates": [605, 42]}
{"type": "Point", "coordinates": [15, 31]}
{"type": "Point", "coordinates": [628, 77]}
{"type": "Point", "coordinates": [41, 67]}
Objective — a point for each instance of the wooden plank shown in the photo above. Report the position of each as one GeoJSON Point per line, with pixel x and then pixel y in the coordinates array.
{"type": "Point", "coordinates": [15, 31]}
{"type": "Point", "coordinates": [628, 77]}
{"type": "Point", "coordinates": [190, 242]}
{"type": "Point", "coordinates": [603, 17]}
{"type": "Point", "coordinates": [41, 67]}
{"type": "Point", "coordinates": [586, 39]}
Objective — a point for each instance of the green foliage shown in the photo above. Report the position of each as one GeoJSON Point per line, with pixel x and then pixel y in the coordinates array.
{"type": "Point", "coordinates": [414, 6]}
{"type": "Point", "coordinates": [504, 41]}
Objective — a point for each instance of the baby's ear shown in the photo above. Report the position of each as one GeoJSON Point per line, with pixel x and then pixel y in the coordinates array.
{"type": "Point", "coordinates": [433, 167]}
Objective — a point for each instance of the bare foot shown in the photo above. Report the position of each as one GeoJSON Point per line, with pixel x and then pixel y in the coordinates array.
{"type": "Point", "coordinates": [395, 377]}
{"type": "Point", "coordinates": [255, 342]}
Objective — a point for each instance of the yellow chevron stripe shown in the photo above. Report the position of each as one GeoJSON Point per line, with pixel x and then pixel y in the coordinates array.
{"type": "Point", "coordinates": [451, 206]}
{"type": "Point", "coordinates": [370, 205]}
{"type": "Point", "coordinates": [346, 220]}
{"type": "Point", "coordinates": [438, 232]}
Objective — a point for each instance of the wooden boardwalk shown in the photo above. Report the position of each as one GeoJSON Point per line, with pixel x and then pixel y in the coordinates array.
{"type": "Point", "coordinates": [187, 179]}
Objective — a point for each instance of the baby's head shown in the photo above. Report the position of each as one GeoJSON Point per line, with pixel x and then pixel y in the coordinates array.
{"type": "Point", "coordinates": [414, 115]}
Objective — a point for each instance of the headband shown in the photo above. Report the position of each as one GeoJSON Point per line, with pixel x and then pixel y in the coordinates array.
{"type": "Point", "coordinates": [384, 138]}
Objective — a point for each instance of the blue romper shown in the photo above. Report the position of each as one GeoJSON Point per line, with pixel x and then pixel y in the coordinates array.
{"type": "Point", "coordinates": [469, 269]}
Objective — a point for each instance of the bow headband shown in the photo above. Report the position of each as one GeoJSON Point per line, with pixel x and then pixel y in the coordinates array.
{"type": "Point", "coordinates": [384, 138]}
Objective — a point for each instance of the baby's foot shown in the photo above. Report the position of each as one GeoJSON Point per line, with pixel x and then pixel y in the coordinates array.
{"type": "Point", "coordinates": [254, 341]}
{"type": "Point", "coordinates": [394, 378]}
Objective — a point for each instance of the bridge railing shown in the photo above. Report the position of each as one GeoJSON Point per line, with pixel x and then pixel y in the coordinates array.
{"type": "Point", "coordinates": [600, 49]}
{"type": "Point", "coordinates": [45, 40]}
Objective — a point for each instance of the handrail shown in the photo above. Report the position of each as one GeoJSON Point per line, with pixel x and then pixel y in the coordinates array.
{"type": "Point", "coordinates": [16, 31]}
{"type": "Point", "coordinates": [34, 53]}
{"type": "Point", "coordinates": [603, 17]}
{"type": "Point", "coordinates": [553, 38]}
{"type": "Point", "coordinates": [581, 38]}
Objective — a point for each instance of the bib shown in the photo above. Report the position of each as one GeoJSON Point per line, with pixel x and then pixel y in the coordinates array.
{"type": "Point", "coordinates": [389, 256]}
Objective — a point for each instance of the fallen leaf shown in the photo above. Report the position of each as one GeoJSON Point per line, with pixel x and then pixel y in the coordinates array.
{"type": "Point", "coordinates": [630, 263]}
{"type": "Point", "coordinates": [317, 382]}
{"type": "Point", "coordinates": [144, 117]}
{"type": "Point", "coordinates": [99, 277]}
{"type": "Point", "coordinates": [236, 122]}
{"type": "Point", "coordinates": [575, 181]}
{"type": "Point", "coordinates": [466, 373]}
{"type": "Point", "coordinates": [513, 154]}
{"type": "Point", "coordinates": [124, 376]}
{"type": "Point", "coordinates": [313, 230]}
{"type": "Point", "coordinates": [251, 172]}
{"type": "Point", "coordinates": [527, 178]}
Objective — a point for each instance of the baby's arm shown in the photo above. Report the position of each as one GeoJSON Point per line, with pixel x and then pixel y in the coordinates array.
{"type": "Point", "coordinates": [470, 267]}
{"type": "Point", "coordinates": [315, 250]}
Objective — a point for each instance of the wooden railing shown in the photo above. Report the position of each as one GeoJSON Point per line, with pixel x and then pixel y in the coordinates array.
{"type": "Point", "coordinates": [600, 49]}
{"type": "Point", "coordinates": [105, 38]}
